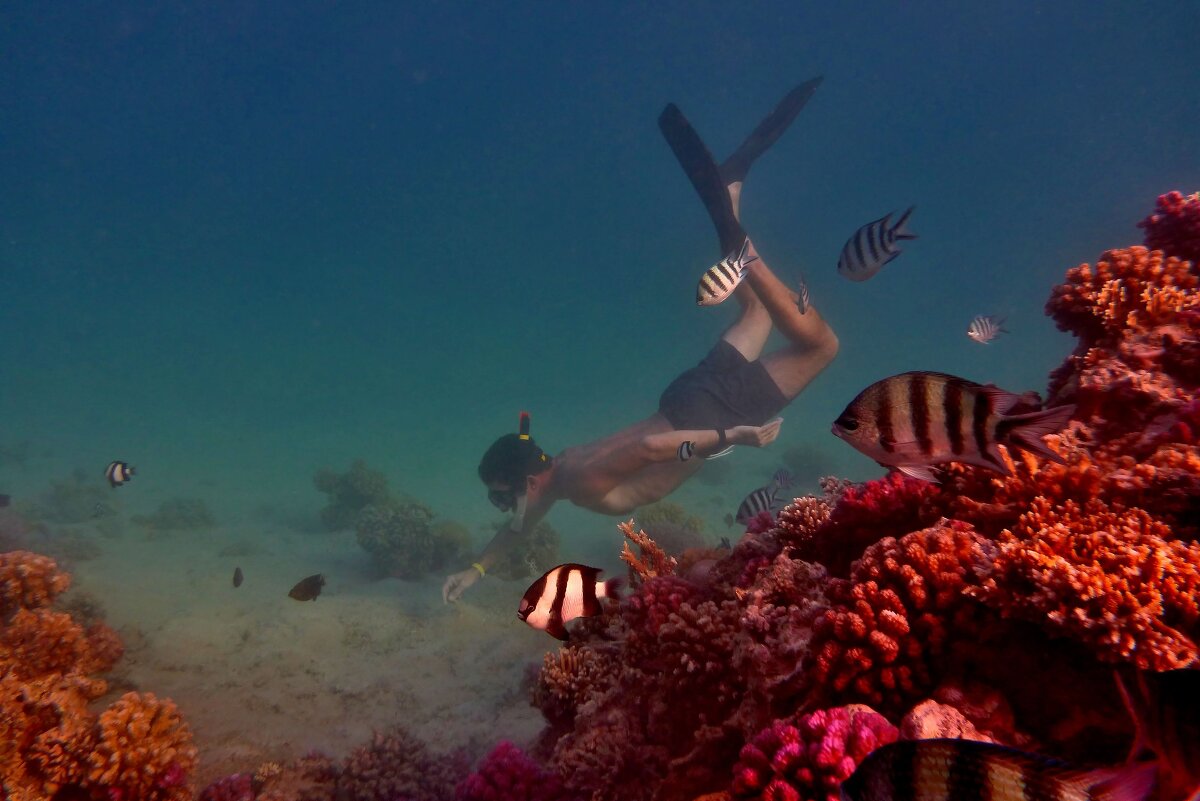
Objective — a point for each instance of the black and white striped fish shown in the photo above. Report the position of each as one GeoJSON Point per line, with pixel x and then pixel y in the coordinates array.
{"type": "Point", "coordinates": [764, 499]}
{"type": "Point", "coordinates": [563, 594]}
{"type": "Point", "coordinates": [872, 246]}
{"type": "Point", "coordinates": [118, 473]}
{"type": "Point", "coordinates": [966, 770]}
{"type": "Point", "coordinates": [719, 281]}
{"type": "Point", "coordinates": [914, 420]}
{"type": "Point", "coordinates": [803, 301]}
{"type": "Point", "coordinates": [984, 328]}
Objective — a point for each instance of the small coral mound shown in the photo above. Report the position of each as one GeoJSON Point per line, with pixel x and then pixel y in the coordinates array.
{"type": "Point", "coordinates": [395, 765]}
{"type": "Point", "coordinates": [404, 540]}
{"type": "Point", "coordinates": [809, 759]}
{"type": "Point", "coordinates": [1174, 227]}
{"type": "Point", "coordinates": [349, 493]}
{"type": "Point", "coordinates": [507, 774]}
{"type": "Point", "coordinates": [143, 751]}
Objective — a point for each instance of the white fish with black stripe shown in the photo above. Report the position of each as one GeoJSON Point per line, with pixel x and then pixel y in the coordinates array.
{"type": "Point", "coordinates": [874, 245]}
{"type": "Point", "coordinates": [118, 473]}
{"type": "Point", "coordinates": [562, 594]}
{"type": "Point", "coordinates": [719, 281]}
{"type": "Point", "coordinates": [764, 499]}
{"type": "Point", "coordinates": [984, 328]}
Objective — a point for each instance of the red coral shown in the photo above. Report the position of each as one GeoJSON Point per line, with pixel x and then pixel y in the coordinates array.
{"type": "Point", "coordinates": [507, 774]}
{"type": "Point", "coordinates": [238, 787]}
{"type": "Point", "coordinates": [1174, 227]}
{"type": "Point", "coordinates": [810, 758]}
{"type": "Point", "coordinates": [881, 640]}
{"type": "Point", "coordinates": [1112, 580]}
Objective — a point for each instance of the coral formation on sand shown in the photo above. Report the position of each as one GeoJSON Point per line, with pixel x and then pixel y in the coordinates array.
{"type": "Point", "coordinates": [670, 525]}
{"type": "Point", "coordinates": [395, 764]}
{"type": "Point", "coordinates": [53, 743]}
{"type": "Point", "coordinates": [349, 493]}
{"type": "Point", "coordinates": [405, 542]}
{"type": "Point", "coordinates": [534, 554]}
{"type": "Point", "coordinates": [176, 514]}
{"type": "Point", "coordinates": [507, 774]}
{"type": "Point", "coordinates": [986, 606]}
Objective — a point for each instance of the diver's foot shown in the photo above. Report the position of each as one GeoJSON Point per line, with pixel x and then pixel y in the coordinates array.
{"type": "Point", "coordinates": [735, 197]}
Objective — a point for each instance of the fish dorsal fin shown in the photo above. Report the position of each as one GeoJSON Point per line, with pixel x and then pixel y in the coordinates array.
{"type": "Point", "coordinates": [1002, 399]}
{"type": "Point", "coordinates": [920, 472]}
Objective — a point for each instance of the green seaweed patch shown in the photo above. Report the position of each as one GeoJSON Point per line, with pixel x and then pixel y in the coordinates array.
{"type": "Point", "coordinates": [176, 514]}
{"type": "Point", "coordinates": [532, 556]}
{"type": "Point", "coordinates": [405, 541]}
{"type": "Point", "coordinates": [349, 493]}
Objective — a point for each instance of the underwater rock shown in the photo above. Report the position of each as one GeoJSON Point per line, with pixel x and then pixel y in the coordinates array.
{"type": "Point", "coordinates": [349, 493]}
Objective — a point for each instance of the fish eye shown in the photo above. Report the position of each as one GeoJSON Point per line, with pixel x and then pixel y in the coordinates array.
{"type": "Point", "coordinates": [848, 423]}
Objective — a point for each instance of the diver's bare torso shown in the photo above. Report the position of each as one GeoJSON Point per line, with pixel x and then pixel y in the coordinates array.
{"type": "Point", "coordinates": [589, 475]}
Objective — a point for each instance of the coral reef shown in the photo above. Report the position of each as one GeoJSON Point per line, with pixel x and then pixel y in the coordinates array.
{"type": "Point", "coordinates": [54, 744]}
{"type": "Point", "coordinates": [1174, 227]}
{"type": "Point", "coordinates": [349, 493]}
{"type": "Point", "coordinates": [533, 554]}
{"type": "Point", "coordinates": [404, 540]}
{"type": "Point", "coordinates": [507, 774]}
{"type": "Point", "coordinates": [670, 525]}
{"type": "Point", "coordinates": [395, 764]}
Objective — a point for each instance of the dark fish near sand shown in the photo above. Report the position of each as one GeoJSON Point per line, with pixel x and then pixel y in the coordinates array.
{"type": "Point", "coordinates": [237, 580]}
{"type": "Point", "coordinates": [307, 589]}
{"type": "Point", "coordinates": [719, 281]}
{"type": "Point", "coordinates": [965, 770]}
{"type": "Point", "coordinates": [563, 594]}
{"type": "Point", "coordinates": [764, 499]}
{"type": "Point", "coordinates": [914, 420]}
{"type": "Point", "coordinates": [118, 473]}
{"type": "Point", "coordinates": [873, 246]}
{"type": "Point", "coordinates": [985, 328]}
{"type": "Point", "coordinates": [1165, 708]}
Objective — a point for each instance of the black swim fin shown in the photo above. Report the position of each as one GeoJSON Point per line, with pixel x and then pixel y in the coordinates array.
{"type": "Point", "coordinates": [702, 171]}
{"type": "Point", "coordinates": [768, 132]}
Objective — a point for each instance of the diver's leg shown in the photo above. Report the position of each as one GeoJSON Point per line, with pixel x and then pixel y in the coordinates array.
{"type": "Point", "coordinates": [750, 331]}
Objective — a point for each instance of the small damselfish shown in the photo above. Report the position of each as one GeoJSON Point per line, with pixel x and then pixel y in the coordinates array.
{"type": "Point", "coordinates": [914, 420]}
{"type": "Point", "coordinates": [118, 473]}
{"type": "Point", "coordinates": [719, 281]}
{"type": "Point", "coordinates": [962, 770]}
{"type": "Point", "coordinates": [562, 594]}
{"type": "Point", "coordinates": [764, 499]}
{"type": "Point", "coordinates": [873, 246]}
{"type": "Point", "coordinates": [984, 328]}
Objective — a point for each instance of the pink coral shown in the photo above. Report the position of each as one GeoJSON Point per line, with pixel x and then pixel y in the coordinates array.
{"type": "Point", "coordinates": [810, 758]}
{"type": "Point", "coordinates": [507, 774]}
{"type": "Point", "coordinates": [1174, 227]}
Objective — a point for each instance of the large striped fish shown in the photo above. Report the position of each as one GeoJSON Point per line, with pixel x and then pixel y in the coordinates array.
{"type": "Point", "coordinates": [966, 770]}
{"type": "Point", "coordinates": [873, 246]}
{"type": "Point", "coordinates": [563, 594]}
{"type": "Point", "coordinates": [719, 281]}
{"type": "Point", "coordinates": [913, 420]}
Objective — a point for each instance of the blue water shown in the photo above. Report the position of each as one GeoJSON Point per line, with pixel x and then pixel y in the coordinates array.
{"type": "Point", "coordinates": [241, 241]}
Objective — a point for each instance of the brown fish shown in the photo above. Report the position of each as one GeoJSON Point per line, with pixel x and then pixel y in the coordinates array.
{"type": "Point", "coordinates": [1165, 708]}
{"type": "Point", "coordinates": [965, 770]}
{"type": "Point", "coordinates": [915, 420]}
{"type": "Point", "coordinates": [237, 577]}
{"type": "Point", "coordinates": [307, 589]}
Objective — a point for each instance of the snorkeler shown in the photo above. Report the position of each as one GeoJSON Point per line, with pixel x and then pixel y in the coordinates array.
{"type": "Point", "coordinates": [732, 397]}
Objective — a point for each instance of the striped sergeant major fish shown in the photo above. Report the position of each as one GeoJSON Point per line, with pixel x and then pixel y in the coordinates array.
{"type": "Point", "coordinates": [118, 473]}
{"type": "Point", "coordinates": [873, 246]}
{"type": "Point", "coordinates": [803, 302]}
{"type": "Point", "coordinates": [764, 499]}
{"type": "Point", "coordinates": [914, 420]}
{"type": "Point", "coordinates": [719, 281]}
{"type": "Point", "coordinates": [984, 328]}
{"type": "Point", "coordinates": [966, 770]}
{"type": "Point", "coordinates": [562, 594]}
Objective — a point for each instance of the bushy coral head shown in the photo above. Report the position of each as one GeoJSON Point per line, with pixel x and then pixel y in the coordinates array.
{"type": "Point", "coordinates": [1174, 227]}
{"type": "Point", "coordinates": [507, 774]}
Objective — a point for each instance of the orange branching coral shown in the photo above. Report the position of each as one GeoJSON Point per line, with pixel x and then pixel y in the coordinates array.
{"type": "Point", "coordinates": [654, 561]}
{"type": "Point", "coordinates": [29, 581]}
{"type": "Point", "coordinates": [41, 641]}
{"type": "Point", "coordinates": [1133, 288]}
{"type": "Point", "coordinates": [1110, 579]}
{"type": "Point", "coordinates": [144, 750]}
{"type": "Point", "coordinates": [891, 621]}
{"type": "Point", "coordinates": [800, 520]}
{"type": "Point", "coordinates": [570, 676]}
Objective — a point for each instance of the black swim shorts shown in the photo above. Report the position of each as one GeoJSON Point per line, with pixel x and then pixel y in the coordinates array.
{"type": "Point", "coordinates": [724, 390]}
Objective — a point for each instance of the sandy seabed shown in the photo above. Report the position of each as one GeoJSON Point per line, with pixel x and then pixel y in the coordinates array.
{"type": "Point", "coordinates": [260, 676]}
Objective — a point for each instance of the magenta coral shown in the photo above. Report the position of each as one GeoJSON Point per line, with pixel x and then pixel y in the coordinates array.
{"type": "Point", "coordinates": [809, 759]}
{"type": "Point", "coordinates": [507, 774]}
{"type": "Point", "coordinates": [1174, 227]}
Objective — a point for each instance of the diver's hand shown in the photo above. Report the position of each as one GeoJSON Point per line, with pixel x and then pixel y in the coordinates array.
{"type": "Point", "coordinates": [456, 584]}
{"type": "Point", "coordinates": [756, 436]}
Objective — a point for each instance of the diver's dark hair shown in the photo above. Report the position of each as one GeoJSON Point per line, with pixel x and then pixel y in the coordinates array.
{"type": "Point", "coordinates": [511, 459]}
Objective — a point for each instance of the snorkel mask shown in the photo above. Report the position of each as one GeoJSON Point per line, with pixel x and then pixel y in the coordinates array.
{"type": "Point", "coordinates": [507, 500]}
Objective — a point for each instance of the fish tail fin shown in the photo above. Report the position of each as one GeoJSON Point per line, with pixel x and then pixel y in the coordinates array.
{"type": "Point", "coordinates": [767, 132]}
{"type": "Point", "coordinates": [1130, 783]}
{"type": "Point", "coordinates": [898, 230]}
{"type": "Point", "coordinates": [1025, 431]}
